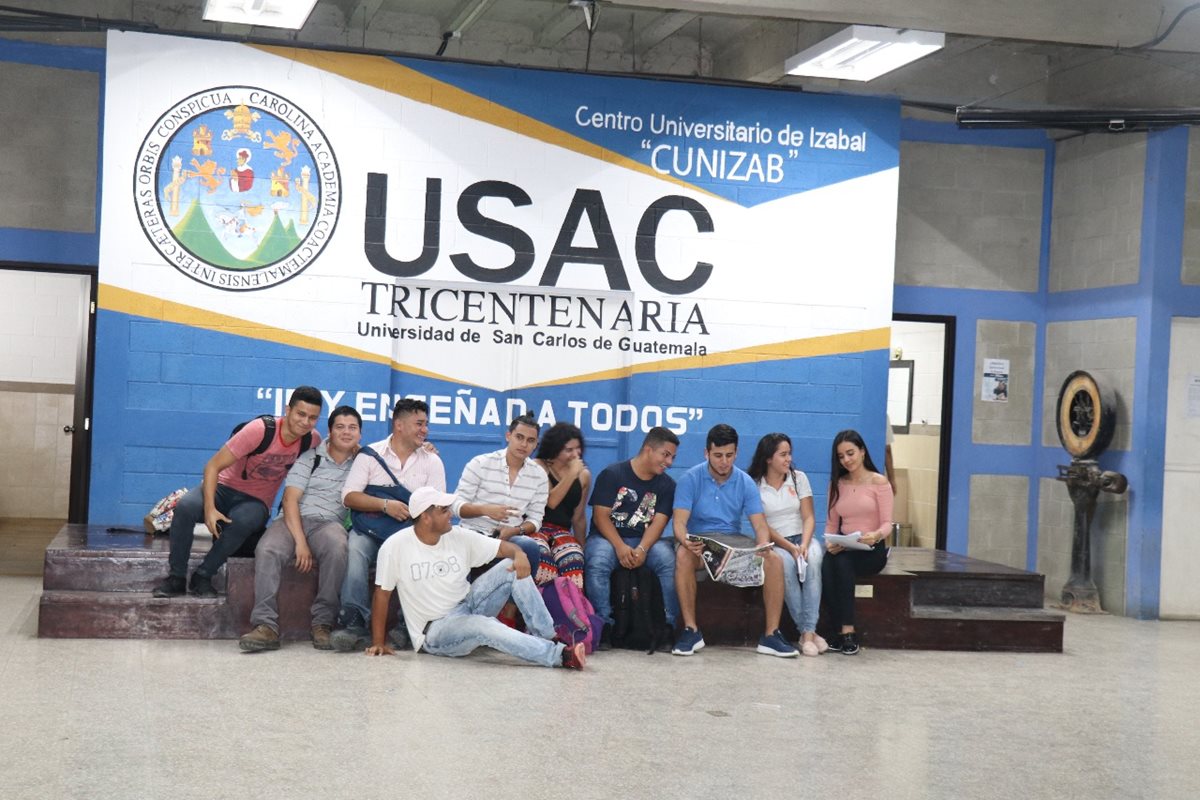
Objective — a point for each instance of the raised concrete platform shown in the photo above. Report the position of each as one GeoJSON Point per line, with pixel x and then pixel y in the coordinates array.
{"type": "Point", "coordinates": [923, 600]}
{"type": "Point", "coordinates": [97, 584]}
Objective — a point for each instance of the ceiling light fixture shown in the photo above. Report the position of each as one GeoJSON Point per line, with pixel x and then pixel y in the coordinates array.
{"type": "Point", "coordinates": [290, 14]}
{"type": "Point", "coordinates": [863, 53]}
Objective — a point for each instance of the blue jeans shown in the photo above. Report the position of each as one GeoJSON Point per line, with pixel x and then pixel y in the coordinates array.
{"type": "Point", "coordinates": [472, 623]}
{"type": "Point", "coordinates": [532, 550]}
{"type": "Point", "coordinates": [803, 600]}
{"type": "Point", "coordinates": [600, 559]}
{"type": "Point", "coordinates": [249, 519]}
{"type": "Point", "coordinates": [361, 553]}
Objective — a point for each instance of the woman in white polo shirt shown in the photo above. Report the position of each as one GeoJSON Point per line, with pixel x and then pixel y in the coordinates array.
{"type": "Point", "coordinates": [788, 506]}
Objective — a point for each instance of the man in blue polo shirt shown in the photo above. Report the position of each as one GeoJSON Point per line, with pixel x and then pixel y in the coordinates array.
{"type": "Point", "coordinates": [712, 497]}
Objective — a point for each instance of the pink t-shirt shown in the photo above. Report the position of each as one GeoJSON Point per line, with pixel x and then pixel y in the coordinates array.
{"type": "Point", "coordinates": [264, 472]}
{"type": "Point", "coordinates": [860, 508]}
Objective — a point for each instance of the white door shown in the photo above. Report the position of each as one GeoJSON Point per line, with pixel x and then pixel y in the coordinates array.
{"type": "Point", "coordinates": [43, 337]}
{"type": "Point", "coordinates": [1179, 594]}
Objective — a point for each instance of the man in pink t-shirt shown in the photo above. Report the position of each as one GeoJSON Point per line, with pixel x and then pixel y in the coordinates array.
{"type": "Point", "coordinates": [234, 501]}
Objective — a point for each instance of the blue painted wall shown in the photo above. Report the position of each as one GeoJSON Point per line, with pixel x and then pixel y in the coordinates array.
{"type": "Point", "coordinates": [188, 423]}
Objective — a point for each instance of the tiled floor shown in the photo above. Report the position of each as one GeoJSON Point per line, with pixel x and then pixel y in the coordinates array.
{"type": "Point", "coordinates": [1115, 716]}
{"type": "Point", "coordinates": [23, 544]}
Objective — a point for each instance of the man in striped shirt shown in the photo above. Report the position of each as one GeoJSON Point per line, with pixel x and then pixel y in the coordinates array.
{"type": "Point", "coordinates": [503, 493]}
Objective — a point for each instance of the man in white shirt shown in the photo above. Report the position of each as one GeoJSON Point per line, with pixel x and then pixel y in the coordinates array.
{"type": "Point", "coordinates": [503, 493]}
{"type": "Point", "coordinates": [415, 467]}
{"type": "Point", "coordinates": [427, 566]}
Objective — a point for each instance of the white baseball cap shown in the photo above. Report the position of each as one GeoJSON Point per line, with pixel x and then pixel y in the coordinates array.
{"type": "Point", "coordinates": [425, 497]}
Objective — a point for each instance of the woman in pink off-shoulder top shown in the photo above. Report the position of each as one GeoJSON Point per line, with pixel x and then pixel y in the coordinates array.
{"type": "Point", "coordinates": [860, 500]}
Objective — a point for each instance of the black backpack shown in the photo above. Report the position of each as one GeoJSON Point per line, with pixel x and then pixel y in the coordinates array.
{"type": "Point", "coordinates": [639, 616]}
{"type": "Point", "coordinates": [268, 435]}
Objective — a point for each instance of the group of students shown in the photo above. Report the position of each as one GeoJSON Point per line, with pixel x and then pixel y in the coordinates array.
{"type": "Point", "coordinates": [524, 505]}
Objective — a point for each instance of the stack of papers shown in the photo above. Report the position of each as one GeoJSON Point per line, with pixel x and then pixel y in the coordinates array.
{"type": "Point", "coordinates": [850, 541]}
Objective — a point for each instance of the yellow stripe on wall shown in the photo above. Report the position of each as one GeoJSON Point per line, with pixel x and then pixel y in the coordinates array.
{"type": "Point", "coordinates": [385, 74]}
{"type": "Point", "coordinates": [113, 298]}
{"type": "Point", "coordinates": [835, 344]}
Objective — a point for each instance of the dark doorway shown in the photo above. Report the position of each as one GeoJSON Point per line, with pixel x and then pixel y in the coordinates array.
{"type": "Point", "coordinates": [922, 353]}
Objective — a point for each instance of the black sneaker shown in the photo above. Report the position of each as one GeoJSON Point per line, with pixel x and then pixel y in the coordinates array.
{"type": "Point", "coordinates": [605, 637]}
{"type": "Point", "coordinates": [351, 632]}
{"type": "Point", "coordinates": [835, 641]}
{"type": "Point", "coordinates": [201, 585]}
{"type": "Point", "coordinates": [348, 617]}
{"type": "Point", "coordinates": [849, 644]}
{"type": "Point", "coordinates": [347, 640]}
{"type": "Point", "coordinates": [397, 637]}
{"type": "Point", "coordinates": [172, 586]}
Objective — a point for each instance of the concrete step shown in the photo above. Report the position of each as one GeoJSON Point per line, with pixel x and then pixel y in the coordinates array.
{"type": "Point", "coordinates": [951, 579]}
{"type": "Point", "coordinates": [1011, 591]}
{"type": "Point", "coordinates": [997, 613]}
{"type": "Point", "coordinates": [110, 571]}
{"type": "Point", "coordinates": [932, 627]}
{"type": "Point", "coordinates": [133, 615]}
{"type": "Point", "coordinates": [93, 558]}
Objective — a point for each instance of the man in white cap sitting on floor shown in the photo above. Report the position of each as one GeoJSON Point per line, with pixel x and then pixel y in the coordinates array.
{"type": "Point", "coordinates": [446, 615]}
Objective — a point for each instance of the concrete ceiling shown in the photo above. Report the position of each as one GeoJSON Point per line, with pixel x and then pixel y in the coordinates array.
{"type": "Point", "coordinates": [1027, 54]}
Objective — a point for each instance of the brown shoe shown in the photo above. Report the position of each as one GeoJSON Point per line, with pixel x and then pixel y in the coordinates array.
{"type": "Point", "coordinates": [263, 637]}
{"type": "Point", "coordinates": [320, 637]}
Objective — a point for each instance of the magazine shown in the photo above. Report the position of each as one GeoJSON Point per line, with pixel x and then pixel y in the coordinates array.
{"type": "Point", "coordinates": [732, 559]}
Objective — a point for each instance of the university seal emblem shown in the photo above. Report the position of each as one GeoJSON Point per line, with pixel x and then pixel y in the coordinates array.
{"type": "Point", "coordinates": [237, 188]}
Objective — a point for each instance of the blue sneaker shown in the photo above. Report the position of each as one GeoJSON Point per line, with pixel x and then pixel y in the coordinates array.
{"type": "Point", "coordinates": [688, 642]}
{"type": "Point", "coordinates": [776, 645]}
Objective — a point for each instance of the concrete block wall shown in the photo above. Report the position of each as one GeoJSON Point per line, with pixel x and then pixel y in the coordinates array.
{"type": "Point", "coordinates": [1011, 422]}
{"type": "Point", "coordinates": [951, 250]}
{"type": "Point", "coordinates": [1190, 270]}
{"type": "Point", "coordinates": [1106, 349]}
{"type": "Point", "coordinates": [1097, 215]}
{"type": "Point", "coordinates": [1056, 526]}
{"type": "Point", "coordinates": [999, 508]}
{"type": "Point", "coordinates": [1114, 278]}
{"type": "Point", "coordinates": [971, 245]}
{"type": "Point", "coordinates": [970, 217]}
{"type": "Point", "coordinates": [49, 139]}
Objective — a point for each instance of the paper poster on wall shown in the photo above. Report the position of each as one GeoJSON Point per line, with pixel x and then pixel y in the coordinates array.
{"type": "Point", "coordinates": [1193, 396]}
{"type": "Point", "coordinates": [994, 388]}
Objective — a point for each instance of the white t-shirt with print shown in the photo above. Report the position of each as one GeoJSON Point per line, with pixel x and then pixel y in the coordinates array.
{"type": "Point", "coordinates": [431, 579]}
{"type": "Point", "coordinates": [782, 506]}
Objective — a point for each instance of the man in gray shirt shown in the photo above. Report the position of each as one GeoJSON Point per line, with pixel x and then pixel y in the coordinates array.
{"type": "Point", "coordinates": [312, 531]}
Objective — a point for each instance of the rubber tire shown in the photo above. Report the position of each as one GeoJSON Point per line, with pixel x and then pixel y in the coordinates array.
{"type": "Point", "coordinates": [1091, 438]}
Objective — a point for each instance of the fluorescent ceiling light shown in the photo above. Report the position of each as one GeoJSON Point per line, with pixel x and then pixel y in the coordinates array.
{"type": "Point", "coordinates": [271, 13]}
{"type": "Point", "coordinates": [863, 53]}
